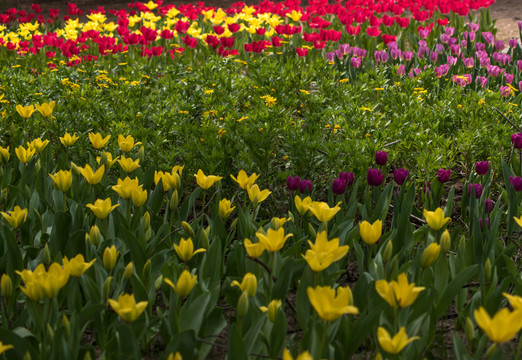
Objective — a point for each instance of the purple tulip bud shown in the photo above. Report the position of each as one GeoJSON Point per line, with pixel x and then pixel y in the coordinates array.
{"type": "Point", "coordinates": [347, 177]}
{"type": "Point", "coordinates": [516, 139]}
{"type": "Point", "coordinates": [400, 175]}
{"type": "Point", "coordinates": [487, 222]}
{"type": "Point", "coordinates": [374, 177]}
{"type": "Point", "coordinates": [338, 186]}
{"type": "Point", "coordinates": [520, 25]}
{"type": "Point", "coordinates": [305, 185]}
{"type": "Point", "coordinates": [488, 205]}
{"type": "Point", "coordinates": [477, 190]}
{"type": "Point", "coordinates": [381, 157]}
{"type": "Point", "coordinates": [443, 175]}
{"type": "Point", "coordinates": [472, 36]}
{"type": "Point", "coordinates": [427, 188]}
{"type": "Point", "coordinates": [517, 182]}
{"type": "Point", "coordinates": [482, 167]}
{"type": "Point", "coordinates": [293, 183]}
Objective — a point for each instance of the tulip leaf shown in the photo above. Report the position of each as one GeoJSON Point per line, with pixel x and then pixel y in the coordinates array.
{"type": "Point", "coordinates": [137, 252]}
{"type": "Point", "coordinates": [451, 290]}
{"type": "Point", "coordinates": [128, 342]}
{"type": "Point", "coordinates": [19, 339]}
{"type": "Point", "coordinates": [284, 279]}
{"type": "Point", "coordinates": [278, 335]}
{"type": "Point", "coordinates": [156, 198]}
{"type": "Point", "coordinates": [193, 313]}
{"type": "Point", "coordinates": [361, 328]}
{"type": "Point", "coordinates": [185, 343]}
{"type": "Point", "coordinates": [236, 347]}
{"type": "Point", "coordinates": [512, 196]}
{"type": "Point", "coordinates": [14, 260]}
{"type": "Point", "coordinates": [60, 233]}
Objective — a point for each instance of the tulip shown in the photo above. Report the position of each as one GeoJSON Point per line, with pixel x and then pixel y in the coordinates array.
{"type": "Point", "coordinates": [293, 183]}
{"type": "Point", "coordinates": [400, 175]}
{"type": "Point", "coordinates": [516, 181]}
{"type": "Point", "coordinates": [128, 165]}
{"type": "Point", "coordinates": [16, 217]}
{"type": "Point", "coordinates": [185, 284]}
{"type": "Point", "coordinates": [274, 240]}
{"type": "Point", "coordinates": [381, 157]}
{"type": "Point", "coordinates": [477, 190]}
{"type": "Point", "coordinates": [127, 273]}
{"type": "Point", "coordinates": [488, 205]}
{"type": "Point", "coordinates": [443, 175]}
{"type": "Point", "coordinates": [4, 155]}
{"type": "Point", "coordinates": [62, 180]}
{"type": "Point", "coordinates": [46, 109]}
{"type": "Point", "coordinates": [24, 155]}
{"type": "Point", "coordinates": [430, 254]}
{"type": "Point", "coordinates": [398, 293]}
{"type": "Point", "coordinates": [397, 343]}
{"type": "Point", "coordinates": [445, 241]}
{"type": "Point", "coordinates": [37, 145]}
{"type": "Point", "coordinates": [126, 143]}
{"type": "Point", "coordinates": [330, 304]}
{"type": "Point", "coordinates": [502, 327]}
{"type": "Point", "coordinates": [253, 250]}
{"type": "Point", "coordinates": [303, 205]}
{"type": "Point", "coordinates": [323, 212]}
{"type": "Point", "coordinates": [272, 309]}
{"type": "Point", "coordinates": [374, 177]}
{"type": "Point", "coordinates": [305, 186]}
{"type": "Point", "coordinates": [514, 300]}
{"type": "Point", "coordinates": [482, 167]}
{"type": "Point", "coordinates": [127, 308]}
{"type": "Point", "coordinates": [255, 195]}
{"type": "Point", "coordinates": [168, 180]}
{"type": "Point", "coordinates": [139, 196]}
{"type": "Point", "coordinates": [244, 180]}
{"type": "Point", "coordinates": [248, 284]}
{"type": "Point", "coordinates": [185, 249]}
{"type": "Point", "coordinates": [97, 140]}
{"type": "Point", "coordinates": [303, 356]}
{"type": "Point", "coordinates": [68, 140]}
{"type": "Point", "coordinates": [95, 235]}
{"type": "Point", "coordinates": [25, 111]}
{"type": "Point", "coordinates": [6, 285]}
{"type": "Point", "coordinates": [204, 181]}
{"type": "Point", "coordinates": [125, 188]}
{"type": "Point", "coordinates": [39, 283]}
{"type": "Point", "coordinates": [102, 208]}
{"type": "Point", "coordinates": [348, 177]}
{"type": "Point", "coordinates": [77, 265]}
{"type": "Point", "coordinates": [436, 219]}
{"type": "Point", "coordinates": [106, 159]}
{"type": "Point", "coordinates": [225, 208]}
{"type": "Point", "coordinates": [370, 233]}
{"type": "Point", "coordinates": [110, 255]}
{"type": "Point", "coordinates": [518, 220]}
{"type": "Point", "coordinates": [339, 186]}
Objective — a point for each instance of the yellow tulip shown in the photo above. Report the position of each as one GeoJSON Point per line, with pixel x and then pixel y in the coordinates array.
{"type": "Point", "coordinates": [126, 143]}
{"type": "Point", "coordinates": [185, 249]}
{"type": "Point", "coordinates": [518, 220]}
{"type": "Point", "coordinates": [272, 309]}
{"type": "Point", "coordinates": [127, 308]}
{"type": "Point", "coordinates": [303, 205]}
{"type": "Point", "coordinates": [46, 109]}
{"type": "Point", "coordinates": [24, 155]}
{"type": "Point", "coordinates": [257, 196]}
{"type": "Point", "coordinates": [204, 181]}
{"type": "Point", "coordinates": [128, 165]}
{"type": "Point", "coordinates": [62, 180]}
{"type": "Point", "coordinates": [139, 196]}
{"type": "Point", "coordinates": [274, 240]}
{"type": "Point", "coordinates": [102, 208]}
{"type": "Point", "coordinates": [97, 140]}
{"type": "Point", "coordinates": [68, 140]}
{"type": "Point", "coordinates": [6, 285]}
{"type": "Point", "coordinates": [253, 250]}
{"type": "Point", "coordinates": [399, 293]}
{"type": "Point", "coordinates": [185, 284]}
{"type": "Point", "coordinates": [248, 284]}
{"type": "Point", "coordinates": [503, 327]}
{"type": "Point", "coordinates": [370, 233]}
{"type": "Point", "coordinates": [110, 256]}
{"type": "Point", "coordinates": [25, 111]}
{"type": "Point", "coordinates": [330, 304]}
{"type": "Point", "coordinates": [445, 241]}
{"type": "Point", "coordinates": [430, 254]}
{"type": "Point", "coordinates": [514, 300]}
{"type": "Point", "coordinates": [177, 355]}
{"type": "Point", "coordinates": [126, 187]}
{"type": "Point", "coordinates": [107, 159]}
{"type": "Point", "coordinates": [323, 212]}
{"type": "Point", "coordinates": [77, 265]}
{"type": "Point", "coordinates": [277, 222]}
{"type": "Point", "coordinates": [295, 15]}
{"type": "Point", "coordinates": [16, 217]}
{"type": "Point", "coordinates": [169, 180]}
{"type": "Point", "coordinates": [37, 145]}
{"type": "Point", "coordinates": [244, 180]}
{"type": "Point", "coordinates": [40, 282]}
{"type": "Point", "coordinates": [92, 177]}
{"type": "Point", "coordinates": [397, 343]}
{"type": "Point", "coordinates": [4, 348]}
{"type": "Point", "coordinates": [4, 155]}
{"type": "Point", "coordinates": [303, 356]}
{"type": "Point", "coordinates": [225, 208]}
{"type": "Point", "coordinates": [436, 219]}
{"type": "Point", "coordinates": [324, 253]}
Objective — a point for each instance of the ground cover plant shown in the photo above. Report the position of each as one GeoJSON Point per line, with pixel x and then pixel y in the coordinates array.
{"type": "Point", "coordinates": [266, 181]}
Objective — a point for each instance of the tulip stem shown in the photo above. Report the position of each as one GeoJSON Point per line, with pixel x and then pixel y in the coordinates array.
{"type": "Point", "coordinates": [323, 340]}
{"type": "Point", "coordinates": [270, 275]}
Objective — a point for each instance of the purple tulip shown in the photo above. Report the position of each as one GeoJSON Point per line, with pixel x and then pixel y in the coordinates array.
{"type": "Point", "coordinates": [513, 43]}
{"type": "Point", "coordinates": [488, 37]}
{"type": "Point", "coordinates": [374, 177]}
{"type": "Point", "coordinates": [407, 55]}
{"type": "Point", "coordinates": [355, 62]}
{"type": "Point", "coordinates": [505, 91]}
{"type": "Point", "coordinates": [500, 45]}
{"type": "Point", "coordinates": [433, 56]}
{"type": "Point", "coordinates": [338, 186]}
{"type": "Point", "coordinates": [516, 139]}
{"type": "Point", "coordinates": [480, 46]}
{"type": "Point", "coordinates": [339, 53]}
{"type": "Point", "coordinates": [400, 175]}
{"type": "Point", "coordinates": [482, 80]}
{"type": "Point", "coordinates": [305, 185]}
{"type": "Point", "coordinates": [488, 205]}
{"type": "Point", "coordinates": [381, 157]}
{"type": "Point", "coordinates": [472, 36]}
{"type": "Point", "coordinates": [509, 78]}
{"type": "Point", "coordinates": [347, 177]}
{"type": "Point", "coordinates": [455, 49]}
{"type": "Point", "coordinates": [517, 182]}
{"type": "Point", "coordinates": [520, 85]}
{"type": "Point", "coordinates": [293, 183]}
{"type": "Point", "coordinates": [473, 27]}
{"type": "Point", "coordinates": [439, 48]}
{"type": "Point", "coordinates": [493, 70]}
{"type": "Point", "coordinates": [401, 70]}
{"type": "Point", "coordinates": [482, 167]}
{"type": "Point", "coordinates": [487, 223]}
{"type": "Point", "coordinates": [345, 48]}
{"type": "Point", "coordinates": [468, 62]}
{"type": "Point", "coordinates": [464, 44]}
{"type": "Point", "coordinates": [477, 190]}
{"type": "Point", "coordinates": [395, 53]}
{"type": "Point", "coordinates": [520, 25]}
{"type": "Point", "coordinates": [443, 175]}
{"type": "Point", "coordinates": [330, 56]}
{"type": "Point", "coordinates": [519, 65]}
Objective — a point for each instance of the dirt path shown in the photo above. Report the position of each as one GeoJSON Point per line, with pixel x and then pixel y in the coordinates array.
{"type": "Point", "coordinates": [507, 13]}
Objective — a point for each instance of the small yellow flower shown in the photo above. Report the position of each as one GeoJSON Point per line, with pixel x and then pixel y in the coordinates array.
{"type": "Point", "coordinates": [23, 154]}
{"type": "Point", "coordinates": [127, 308]}
{"type": "Point", "coordinates": [62, 180]}
{"type": "Point", "coordinates": [225, 208]}
{"type": "Point", "coordinates": [436, 219]}
{"type": "Point", "coordinates": [92, 177]}
{"type": "Point", "coordinates": [323, 212]}
{"type": "Point", "coordinates": [244, 180]}
{"type": "Point", "coordinates": [185, 284]}
{"type": "Point", "coordinates": [502, 327]}
{"type": "Point", "coordinates": [25, 111]}
{"type": "Point", "coordinates": [126, 143]}
{"type": "Point", "coordinates": [97, 140]}
{"type": "Point", "coordinates": [430, 254]}
{"type": "Point", "coordinates": [204, 181]}
{"type": "Point", "coordinates": [255, 195]}
{"type": "Point", "coordinates": [77, 265]}
{"type": "Point", "coordinates": [274, 240]}
{"type": "Point", "coordinates": [248, 284]}
{"type": "Point", "coordinates": [110, 255]}
{"type": "Point", "coordinates": [102, 208]}
{"type": "Point", "coordinates": [185, 249]}
{"type": "Point", "coordinates": [253, 250]}
{"type": "Point", "coordinates": [37, 145]}
{"type": "Point", "coordinates": [399, 293]}
{"type": "Point", "coordinates": [330, 304]}
{"type": "Point", "coordinates": [15, 217]}
{"type": "Point", "coordinates": [128, 165]}
{"type": "Point", "coordinates": [68, 140]}
{"type": "Point", "coordinates": [370, 233]}
{"type": "Point", "coordinates": [397, 343]}
{"type": "Point", "coordinates": [46, 109]}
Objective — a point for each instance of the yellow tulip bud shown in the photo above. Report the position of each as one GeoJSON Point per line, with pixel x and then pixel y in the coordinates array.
{"type": "Point", "coordinates": [146, 221]}
{"type": "Point", "coordinates": [311, 231]}
{"type": "Point", "coordinates": [87, 356]}
{"type": "Point", "coordinates": [462, 243]}
{"type": "Point", "coordinates": [188, 229]}
{"type": "Point", "coordinates": [47, 254]}
{"type": "Point", "coordinates": [146, 270]}
{"type": "Point", "coordinates": [107, 287]}
{"type": "Point", "coordinates": [272, 309]}
{"type": "Point", "coordinates": [469, 329]}
{"type": "Point", "coordinates": [174, 200]}
{"type": "Point", "coordinates": [242, 304]}
{"type": "Point", "coordinates": [75, 169]}
{"type": "Point", "coordinates": [6, 285]}
{"type": "Point", "coordinates": [248, 284]}
{"type": "Point", "coordinates": [487, 269]}
{"type": "Point", "coordinates": [141, 154]}
{"type": "Point", "coordinates": [95, 236]}
{"type": "Point", "coordinates": [127, 273]}
{"type": "Point", "coordinates": [158, 282]}
{"type": "Point", "coordinates": [37, 166]}
{"type": "Point", "coordinates": [388, 252]}
{"type": "Point", "coordinates": [110, 255]}
{"type": "Point", "coordinates": [445, 241]}
{"type": "Point", "coordinates": [430, 254]}
{"type": "Point", "coordinates": [370, 233]}
{"type": "Point", "coordinates": [50, 331]}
